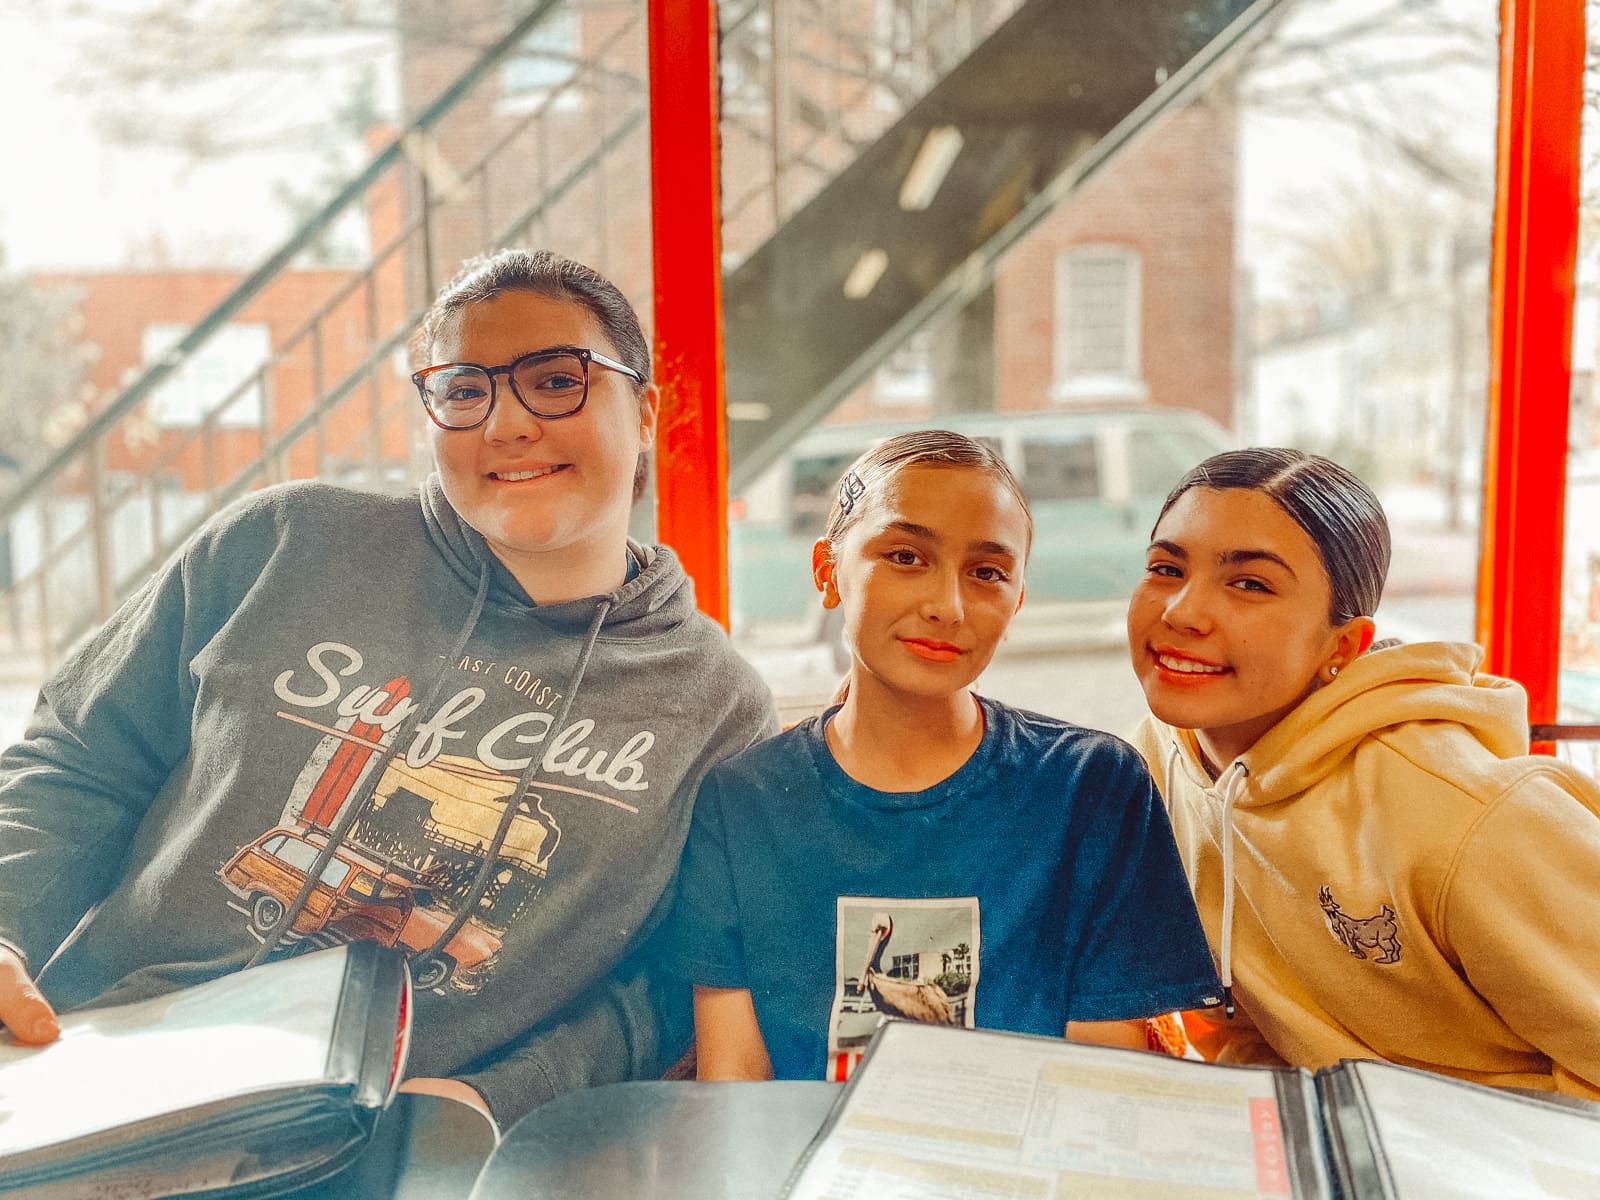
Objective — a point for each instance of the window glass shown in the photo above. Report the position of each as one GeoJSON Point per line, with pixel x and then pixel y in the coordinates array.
{"type": "Point", "coordinates": [816, 483]}
{"type": "Point", "coordinates": [335, 872]}
{"type": "Point", "coordinates": [277, 203]}
{"type": "Point", "coordinates": [1578, 690]}
{"type": "Point", "coordinates": [1364, 251]}
{"type": "Point", "coordinates": [298, 854]}
{"type": "Point", "coordinates": [547, 58]}
{"type": "Point", "coordinates": [1098, 306]}
{"type": "Point", "coordinates": [1290, 248]}
{"type": "Point", "coordinates": [222, 367]}
{"type": "Point", "coordinates": [1064, 470]}
{"type": "Point", "coordinates": [1159, 458]}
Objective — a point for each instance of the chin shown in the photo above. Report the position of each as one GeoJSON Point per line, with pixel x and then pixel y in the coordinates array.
{"type": "Point", "coordinates": [1172, 710]}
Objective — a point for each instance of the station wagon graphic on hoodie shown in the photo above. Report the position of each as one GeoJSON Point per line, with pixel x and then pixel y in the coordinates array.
{"type": "Point", "coordinates": [413, 851]}
{"type": "Point", "coordinates": [347, 695]}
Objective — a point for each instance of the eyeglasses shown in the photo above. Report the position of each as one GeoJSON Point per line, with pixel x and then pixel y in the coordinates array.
{"type": "Point", "coordinates": [548, 383]}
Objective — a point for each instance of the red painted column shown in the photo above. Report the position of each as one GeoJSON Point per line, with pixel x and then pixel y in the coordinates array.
{"type": "Point", "coordinates": [686, 216]}
{"type": "Point", "coordinates": [1531, 289]}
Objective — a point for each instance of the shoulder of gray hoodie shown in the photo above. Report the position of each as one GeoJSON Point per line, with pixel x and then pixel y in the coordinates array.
{"type": "Point", "coordinates": [198, 716]}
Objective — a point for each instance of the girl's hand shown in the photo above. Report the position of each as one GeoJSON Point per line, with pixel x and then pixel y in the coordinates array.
{"type": "Point", "coordinates": [728, 1041]}
{"type": "Point", "coordinates": [1130, 1034]}
{"type": "Point", "coordinates": [23, 1008]}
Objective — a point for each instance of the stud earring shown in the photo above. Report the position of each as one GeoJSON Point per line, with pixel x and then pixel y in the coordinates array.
{"type": "Point", "coordinates": [1332, 671]}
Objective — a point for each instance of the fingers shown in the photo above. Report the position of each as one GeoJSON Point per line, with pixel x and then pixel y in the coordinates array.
{"type": "Point", "coordinates": [23, 1008]}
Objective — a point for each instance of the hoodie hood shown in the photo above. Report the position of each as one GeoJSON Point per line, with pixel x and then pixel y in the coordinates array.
{"type": "Point", "coordinates": [652, 604]}
{"type": "Point", "coordinates": [1375, 696]}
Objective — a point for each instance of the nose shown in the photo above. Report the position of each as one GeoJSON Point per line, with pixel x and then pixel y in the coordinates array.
{"type": "Point", "coordinates": [941, 602]}
{"type": "Point", "coordinates": [1187, 610]}
{"type": "Point", "coordinates": [508, 420]}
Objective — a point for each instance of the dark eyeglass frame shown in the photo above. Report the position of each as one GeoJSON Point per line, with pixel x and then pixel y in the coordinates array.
{"type": "Point", "coordinates": [582, 353]}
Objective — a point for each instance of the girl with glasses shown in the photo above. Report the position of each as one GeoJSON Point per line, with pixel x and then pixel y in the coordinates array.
{"type": "Point", "coordinates": [483, 692]}
{"type": "Point", "coordinates": [919, 851]}
{"type": "Point", "coordinates": [1382, 870]}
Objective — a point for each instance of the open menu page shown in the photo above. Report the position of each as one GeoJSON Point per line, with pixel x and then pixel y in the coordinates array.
{"type": "Point", "coordinates": [238, 1034]}
{"type": "Point", "coordinates": [1446, 1140]}
{"type": "Point", "coordinates": [939, 1113]}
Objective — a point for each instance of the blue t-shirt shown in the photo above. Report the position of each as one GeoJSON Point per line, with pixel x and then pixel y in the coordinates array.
{"type": "Point", "coordinates": [1036, 885]}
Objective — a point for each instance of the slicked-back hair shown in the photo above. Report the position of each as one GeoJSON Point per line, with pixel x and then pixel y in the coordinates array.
{"type": "Point", "coordinates": [920, 448]}
{"type": "Point", "coordinates": [1339, 513]}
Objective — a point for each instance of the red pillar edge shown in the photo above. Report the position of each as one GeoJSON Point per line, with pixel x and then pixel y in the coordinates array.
{"type": "Point", "coordinates": [686, 215]}
{"type": "Point", "coordinates": [1530, 315]}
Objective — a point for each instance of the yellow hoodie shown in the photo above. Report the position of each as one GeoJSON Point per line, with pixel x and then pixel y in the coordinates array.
{"type": "Point", "coordinates": [1405, 882]}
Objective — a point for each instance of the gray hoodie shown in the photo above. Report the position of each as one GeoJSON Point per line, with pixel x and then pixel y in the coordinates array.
{"type": "Point", "coordinates": [325, 667]}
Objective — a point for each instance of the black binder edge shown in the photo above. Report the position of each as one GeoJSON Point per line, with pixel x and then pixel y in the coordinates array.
{"type": "Point", "coordinates": [1359, 1166]}
{"type": "Point", "coordinates": [1304, 1145]}
{"type": "Point", "coordinates": [372, 1025]}
{"type": "Point", "coordinates": [1354, 1142]}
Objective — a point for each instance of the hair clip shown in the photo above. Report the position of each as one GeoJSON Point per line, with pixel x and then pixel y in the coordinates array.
{"type": "Point", "coordinates": [851, 489]}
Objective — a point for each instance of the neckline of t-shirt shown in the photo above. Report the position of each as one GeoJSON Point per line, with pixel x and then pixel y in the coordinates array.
{"type": "Point", "coordinates": [839, 783]}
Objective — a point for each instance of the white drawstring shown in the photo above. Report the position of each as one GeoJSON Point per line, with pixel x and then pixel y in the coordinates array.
{"type": "Point", "coordinates": [1172, 766]}
{"type": "Point", "coordinates": [1232, 784]}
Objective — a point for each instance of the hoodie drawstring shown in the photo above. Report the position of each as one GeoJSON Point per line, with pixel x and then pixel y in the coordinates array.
{"type": "Point", "coordinates": [491, 854]}
{"type": "Point", "coordinates": [355, 807]}
{"type": "Point", "coordinates": [1169, 773]}
{"type": "Point", "coordinates": [1232, 784]}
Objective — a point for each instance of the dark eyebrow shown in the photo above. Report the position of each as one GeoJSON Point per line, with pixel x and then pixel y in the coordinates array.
{"type": "Point", "coordinates": [564, 348]}
{"type": "Point", "coordinates": [922, 531]}
{"type": "Point", "coordinates": [1228, 558]}
{"type": "Point", "coordinates": [1236, 558]}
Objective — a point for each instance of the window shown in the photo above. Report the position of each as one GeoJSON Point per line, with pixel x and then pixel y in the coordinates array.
{"type": "Point", "coordinates": [546, 61]}
{"type": "Point", "coordinates": [814, 490]}
{"type": "Point", "coordinates": [210, 376]}
{"type": "Point", "coordinates": [1060, 470]}
{"type": "Point", "coordinates": [906, 378]}
{"type": "Point", "coordinates": [905, 966]}
{"type": "Point", "coordinates": [1159, 458]}
{"type": "Point", "coordinates": [301, 855]}
{"type": "Point", "coordinates": [1097, 324]}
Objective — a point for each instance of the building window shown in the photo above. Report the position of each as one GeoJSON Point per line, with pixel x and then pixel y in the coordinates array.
{"type": "Point", "coordinates": [227, 360]}
{"type": "Point", "coordinates": [906, 376]}
{"type": "Point", "coordinates": [546, 62]}
{"type": "Point", "coordinates": [1097, 325]}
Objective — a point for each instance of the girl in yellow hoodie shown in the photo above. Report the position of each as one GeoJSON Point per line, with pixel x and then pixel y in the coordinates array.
{"type": "Point", "coordinates": [1381, 868]}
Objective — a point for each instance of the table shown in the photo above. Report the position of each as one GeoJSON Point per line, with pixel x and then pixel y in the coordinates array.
{"type": "Point", "coordinates": [665, 1141]}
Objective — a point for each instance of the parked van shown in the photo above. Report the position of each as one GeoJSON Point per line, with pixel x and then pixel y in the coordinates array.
{"type": "Point", "coordinates": [357, 899]}
{"type": "Point", "coordinates": [1094, 478]}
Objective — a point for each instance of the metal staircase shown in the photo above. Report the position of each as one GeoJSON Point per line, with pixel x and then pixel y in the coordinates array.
{"type": "Point", "coordinates": [827, 105]}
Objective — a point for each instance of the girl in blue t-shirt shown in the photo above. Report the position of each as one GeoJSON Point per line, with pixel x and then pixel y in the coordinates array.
{"type": "Point", "coordinates": [917, 850]}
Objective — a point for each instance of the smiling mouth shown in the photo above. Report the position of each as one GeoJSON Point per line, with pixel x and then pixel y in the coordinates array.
{"type": "Point", "coordinates": [523, 476]}
{"type": "Point", "coordinates": [932, 651]}
{"type": "Point", "coordinates": [1187, 666]}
